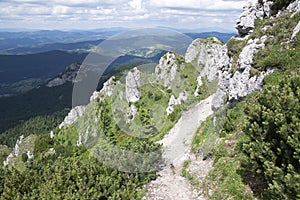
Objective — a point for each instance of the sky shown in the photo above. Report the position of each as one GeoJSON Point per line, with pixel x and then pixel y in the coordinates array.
{"type": "Point", "coordinates": [200, 15]}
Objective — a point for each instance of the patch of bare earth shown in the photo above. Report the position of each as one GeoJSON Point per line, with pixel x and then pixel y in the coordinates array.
{"type": "Point", "coordinates": [170, 185]}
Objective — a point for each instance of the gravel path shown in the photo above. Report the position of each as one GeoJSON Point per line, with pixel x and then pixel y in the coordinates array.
{"type": "Point", "coordinates": [170, 185]}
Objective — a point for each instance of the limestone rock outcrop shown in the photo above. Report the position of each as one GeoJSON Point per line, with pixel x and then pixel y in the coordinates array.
{"type": "Point", "coordinates": [211, 58]}
{"type": "Point", "coordinates": [173, 102]}
{"type": "Point", "coordinates": [73, 115]}
{"type": "Point", "coordinates": [242, 83]}
{"type": "Point", "coordinates": [131, 113]}
{"type": "Point", "coordinates": [166, 69]}
{"type": "Point", "coordinates": [133, 82]}
{"type": "Point", "coordinates": [294, 7]}
{"type": "Point", "coordinates": [107, 89]}
{"type": "Point", "coordinates": [252, 10]}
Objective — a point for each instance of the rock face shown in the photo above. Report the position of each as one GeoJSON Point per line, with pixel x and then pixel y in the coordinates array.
{"type": "Point", "coordinates": [133, 82]}
{"type": "Point", "coordinates": [173, 101]}
{"type": "Point", "coordinates": [211, 58]}
{"type": "Point", "coordinates": [211, 54]}
{"type": "Point", "coordinates": [252, 10]}
{"type": "Point", "coordinates": [131, 113]}
{"type": "Point", "coordinates": [15, 153]}
{"type": "Point", "coordinates": [214, 64]}
{"type": "Point", "coordinates": [166, 69]}
{"type": "Point", "coordinates": [199, 84]}
{"type": "Point", "coordinates": [107, 89]}
{"type": "Point", "coordinates": [72, 116]}
{"type": "Point", "coordinates": [23, 145]}
{"type": "Point", "coordinates": [51, 134]}
{"type": "Point", "coordinates": [68, 76]}
{"type": "Point", "coordinates": [294, 7]}
{"type": "Point", "coordinates": [241, 84]}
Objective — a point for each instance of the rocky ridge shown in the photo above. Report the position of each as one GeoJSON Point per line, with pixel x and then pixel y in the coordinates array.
{"type": "Point", "coordinates": [68, 76]}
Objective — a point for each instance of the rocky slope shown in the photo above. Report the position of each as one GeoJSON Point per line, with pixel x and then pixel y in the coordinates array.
{"type": "Point", "coordinates": [68, 76]}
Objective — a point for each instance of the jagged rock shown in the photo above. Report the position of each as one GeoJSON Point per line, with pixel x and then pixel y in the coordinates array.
{"type": "Point", "coordinates": [133, 79]}
{"type": "Point", "coordinates": [252, 10]}
{"type": "Point", "coordinates": [211, 54]}
{"type": "Point", "coordinates": [68, 76]}
{"type": "Point", "coordinates": [72, 116]}
{"type": "Point", "coordinates": [171, 104]}
{"type": "Point", "coordinates": [218, 99]}
{"type": "Point", "coordinates": [23, 145]}
{"type": "Point", "coordinates": [131, 113]}
{"type": "Point", "coordinates": [167, 68]}
{"type": "Point", "coordinates": [56, 82]}
{"type": "Point", "coordinates": [51, 134]}
{"type": "Point", "coordinates": [247, 54]}
{"type": "Point", "coordinates": [294, 8]}
{"type": "Point", "coordinates": [267, 8]}
{"type": "Point", "coordinates": [78, 111]}
{"type": "Point", "coordinates": [199, 84]}
{"type": "Point", "coordinates": [15, 153]}
{"type": "Point", "coordinates": [107, 89]}
{"type": "Point", "coordinates": [17, 146]}
{"type": "Point", "coordinates": [29, 155]}
{"type": "Point", "coordinates": [80, 140]}
{"type": "Point", "coordinates": [195, 49]}
{"type": "Point", "coordinates": [216, 59]}
{"type": "Point", "coordinates": [296, 31]}
{"type": "Point", "coordinates": [245, 23]}
{"type": "Point", "coordinates": [94, 96]}
{"type": "Point", "coordinates": [173, 101]}
{"type": "Point", "coordinates": [241, 84]}
{"type": "Point", "coordinates": [8, 159]}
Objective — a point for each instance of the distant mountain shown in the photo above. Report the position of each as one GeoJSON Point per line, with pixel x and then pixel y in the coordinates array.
{"type": "Point", "coordinates": [80, 47]}
{"type": "Point", "coordinates": [33, 39]}
{"type": "Point", "coordinates": [41, 66]}
{"type": "Point", "coordinates": [224, 37]}
{"type": "Point", "coordinates": [46, 40]}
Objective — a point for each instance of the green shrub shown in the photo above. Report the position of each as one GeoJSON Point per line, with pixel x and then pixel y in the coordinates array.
{"type": "Point", "coordinates": [273, 148]}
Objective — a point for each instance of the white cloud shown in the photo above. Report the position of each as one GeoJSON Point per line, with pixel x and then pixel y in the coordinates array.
{"type": "Point", "coordinates": [136, 4]}
{"type": "Point", "coordinates": [194, 14]}
{"type": "Point", "coordinates": [57, 10]}
{"type": "Point", "coordinates": [199, 4]}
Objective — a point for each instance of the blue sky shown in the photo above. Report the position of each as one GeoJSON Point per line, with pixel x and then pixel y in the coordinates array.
{"type": "Point", "coordinates": [201, 15]}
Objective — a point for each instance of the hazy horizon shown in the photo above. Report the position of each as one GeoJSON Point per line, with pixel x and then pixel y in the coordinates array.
{"type": "Point", "coordinates": [200, 15]}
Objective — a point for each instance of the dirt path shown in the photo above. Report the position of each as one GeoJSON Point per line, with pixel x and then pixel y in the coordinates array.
{"type": "Point", "coordinates": [170, 185]}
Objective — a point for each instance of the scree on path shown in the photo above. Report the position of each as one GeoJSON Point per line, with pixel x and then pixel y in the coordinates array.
{"type": "Point", "coordinates": [170, 185]}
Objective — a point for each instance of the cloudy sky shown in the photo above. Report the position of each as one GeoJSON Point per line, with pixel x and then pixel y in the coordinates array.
{"type": "Point", "coordinates": [201, 15]}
